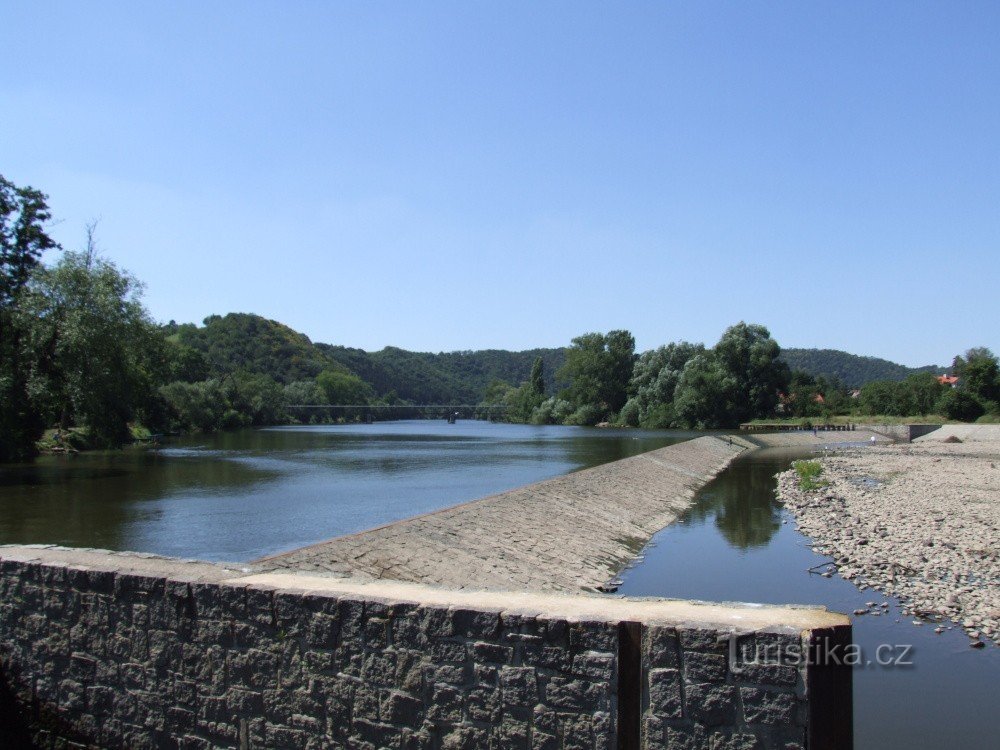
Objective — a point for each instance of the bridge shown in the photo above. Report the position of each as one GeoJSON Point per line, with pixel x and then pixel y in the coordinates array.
{"type": "Point", "coordinates": [368, 412]}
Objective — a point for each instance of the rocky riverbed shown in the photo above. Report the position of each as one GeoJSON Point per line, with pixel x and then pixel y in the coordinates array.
{"type": "Point", "coordinates": [918, 521]}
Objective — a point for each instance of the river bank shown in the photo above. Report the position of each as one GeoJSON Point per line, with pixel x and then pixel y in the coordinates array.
{"type": "Point", "coordinates": [918, 521]}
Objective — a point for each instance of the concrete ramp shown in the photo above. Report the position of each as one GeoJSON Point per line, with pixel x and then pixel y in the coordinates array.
{"type": "Point", "coordinates": [965, 432]}
{"type": "Point", "coordinates": [568, 533]}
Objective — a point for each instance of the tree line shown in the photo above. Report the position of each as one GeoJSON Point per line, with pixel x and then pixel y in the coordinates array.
{"type": "Point", "coordinates": [83, 363]}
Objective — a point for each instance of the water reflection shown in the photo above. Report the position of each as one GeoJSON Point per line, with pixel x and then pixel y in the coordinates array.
{"type": "Point", "coordinates": [742, 507]}
{"type": "Point", "coordinates": [737, 544]}
{"type": "Point", "coordinates": [236, 496]}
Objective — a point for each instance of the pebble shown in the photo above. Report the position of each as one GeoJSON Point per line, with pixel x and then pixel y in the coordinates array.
{"type": "Point", "coordinates": [879, 538]}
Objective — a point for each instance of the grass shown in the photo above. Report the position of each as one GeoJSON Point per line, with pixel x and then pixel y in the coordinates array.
{"type": "Point", "coordinates": [809, 473]}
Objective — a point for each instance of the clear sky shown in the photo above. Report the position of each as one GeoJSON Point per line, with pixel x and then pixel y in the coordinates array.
{"type": "Point", "coordinates": [444, 176]}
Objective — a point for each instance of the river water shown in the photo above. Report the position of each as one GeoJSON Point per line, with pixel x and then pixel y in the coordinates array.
{"type": "Point", "coordinates": [238, 496]}
{"type": "Point", "coordinates": [738, 544]}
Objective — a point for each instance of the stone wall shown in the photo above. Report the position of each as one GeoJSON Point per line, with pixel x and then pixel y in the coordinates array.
{"type": "Point", "coordinates": [116, 650]}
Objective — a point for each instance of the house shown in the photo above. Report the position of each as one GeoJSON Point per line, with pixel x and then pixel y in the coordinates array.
{"type": "Point", "coordinates": [949, 380]}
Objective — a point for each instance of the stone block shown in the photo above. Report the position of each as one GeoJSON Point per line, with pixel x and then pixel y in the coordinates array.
{"type": "Point", "coordinates": [492, 652]}
{"type": "Point", "coordinates": [661, 646]}
{"type": "Point", "coordinates": [474, 623]}
{"type": "Point", "coordinates": [699, 666]}
{"type": "Point", "coordinates": [665, 696]}
{"type": "Point", "coordinates": [595, 665]}
{"type": "Point", "coordinates": [710, 704]}
{"type": "Point", "coordinates": [403, 709]}
{"type": "Point", "coordinates": [483, 705]}
{"type": "Point", "coordinates": [519, 686]}
{"type": "Point", "coordinates": [703, 639]}
{"type": "Point", "coordinates": [768, 706]}
{"type": "Point", "coordinates": [446, 704]}
{"type": "Point", "coordinates": [576, 695]}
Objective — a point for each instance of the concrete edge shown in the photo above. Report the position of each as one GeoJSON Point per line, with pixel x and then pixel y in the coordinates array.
{"type": "Point", "coordinates": [577, 607]}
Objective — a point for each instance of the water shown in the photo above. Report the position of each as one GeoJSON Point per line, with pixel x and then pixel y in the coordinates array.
{"type": "Point", "coordinates": [238, 496]}
{"type": "Point", "coordinates": [738, 544]}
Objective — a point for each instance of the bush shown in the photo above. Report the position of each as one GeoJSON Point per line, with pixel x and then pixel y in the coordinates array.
{"type": "Point", "coordinates": [809, 472]}
{"type": "Point", "coordinates": [588, 414]}
{"type": "Point", "coordinates": [956, 404]}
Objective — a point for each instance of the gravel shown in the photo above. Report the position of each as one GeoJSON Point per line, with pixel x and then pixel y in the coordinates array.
{"type": "Point", "coordinates": [918, 521]}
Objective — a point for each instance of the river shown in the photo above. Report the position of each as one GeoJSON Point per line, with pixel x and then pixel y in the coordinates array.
{"type": "Point", "coordinates": [738, 544]}
{"type": "Point", "coordinates": [237, 496]}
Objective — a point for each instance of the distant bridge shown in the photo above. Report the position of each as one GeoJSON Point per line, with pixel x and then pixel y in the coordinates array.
{"type": "Point", "coordinates": [405, 411]}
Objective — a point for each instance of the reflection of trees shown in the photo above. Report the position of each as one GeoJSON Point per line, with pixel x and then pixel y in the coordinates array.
{"type": "Point", "coordinates": [91, 499]}
{"type": "Point", "coordinates": [743, 502]}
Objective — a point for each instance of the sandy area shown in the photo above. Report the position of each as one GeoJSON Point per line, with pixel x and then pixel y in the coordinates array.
{"type": "Point", "coordinates": [919, 521]}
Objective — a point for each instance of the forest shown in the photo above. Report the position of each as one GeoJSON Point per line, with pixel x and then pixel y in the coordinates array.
{"type": "Point", "coordinates": [84, 365]}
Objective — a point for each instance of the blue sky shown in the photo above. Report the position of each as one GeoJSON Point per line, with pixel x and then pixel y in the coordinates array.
{"type": "Point", "coordinates": [444, 176]}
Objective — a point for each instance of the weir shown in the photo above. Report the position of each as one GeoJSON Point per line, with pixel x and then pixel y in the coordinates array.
{"type": "Point", "coordinates": [569, 533]}
{"type": "Point", "coordinates": [449, 630]}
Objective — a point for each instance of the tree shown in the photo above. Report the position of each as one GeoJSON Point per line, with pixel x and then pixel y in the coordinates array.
{"type": "Point", "coordinates": [537, 379]}
{"type": "Point", "coordinates": [957, 404]}
{"type": "Point", "coordinates": [196, 406]}
{"type": "Point", "coordinates": [980, 375]}
{"type": "Point", "coordinates": [24, 213]}
{"type": "Point", "coordinates": [343, 388]}
{"type": "Point", "coordinates": [924, 392]}
{"type": "Point", "coordinates": [750, 357]}
{"type": "Point", "coordinates": [102, 352]}
{"type": "Point", "coordinates": [706, 394]}
{"type": "Point", "coordinates": [884, 397]}
{"type": "Point", "coordinates": [598, 368]}
{"type": "Point", "coordinates": [654, 381]}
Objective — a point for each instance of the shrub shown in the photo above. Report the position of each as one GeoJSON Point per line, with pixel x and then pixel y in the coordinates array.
{"type": "Point", "coordinates": [956, 404]}
{"type": "Point", "coordinates": [809, 472]}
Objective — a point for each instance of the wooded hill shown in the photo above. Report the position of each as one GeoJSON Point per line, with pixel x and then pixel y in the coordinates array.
{"type": "Point", "coordinates": [850, 369]}
{"type": "Point", "coordinates": [242, 341]}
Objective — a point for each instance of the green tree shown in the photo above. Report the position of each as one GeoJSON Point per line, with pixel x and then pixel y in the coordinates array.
{"type": "Point", "coordinates": [598, 368]}
{"type": "Point", "coordinates": [103, 354]}
{"type": "Point", "coordinates": [706, 394]}
{"type": "Point", "coordinates": [256, 397]}
{"type": "Point", "coordinates": [537, 379]}
{"type": "Point", "coordinates": [654, 382]}
{"type": "Point", "coordinates": [980, 375]}
{"type": "Point", "coordinates": [24, 212]}
{"type": "Point", "coordinates": [881, 397]}
{"type": "Point", "coordinates": [960, 405]}
{"type": "Point", "coordinates": [750, 357]}
{"type": "Point", "coordinates": [196, 406]}
{"type": "Point", "coordinates": [924, 392]}
{"type": "Point", "coordinates": [344, 388]}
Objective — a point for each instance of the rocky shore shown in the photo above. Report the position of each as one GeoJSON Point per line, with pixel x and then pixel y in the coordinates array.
{"type": "Point", "coordinates": [918, 521]}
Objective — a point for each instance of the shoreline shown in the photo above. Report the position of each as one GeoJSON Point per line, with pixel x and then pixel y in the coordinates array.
{"type": "Point", "coordinates": [920, 522]}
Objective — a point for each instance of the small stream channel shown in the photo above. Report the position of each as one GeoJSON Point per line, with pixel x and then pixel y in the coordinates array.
{"type": "Point", "coordinates": [738, 544]}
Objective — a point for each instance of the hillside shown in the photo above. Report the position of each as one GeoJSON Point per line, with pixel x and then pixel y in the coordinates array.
{"type": "Point", "coordinates": [242, 341]}
{"type": "Point", "coordinates": [851, 369]}
{"type": "Point", "coordinates": [447, 377]}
